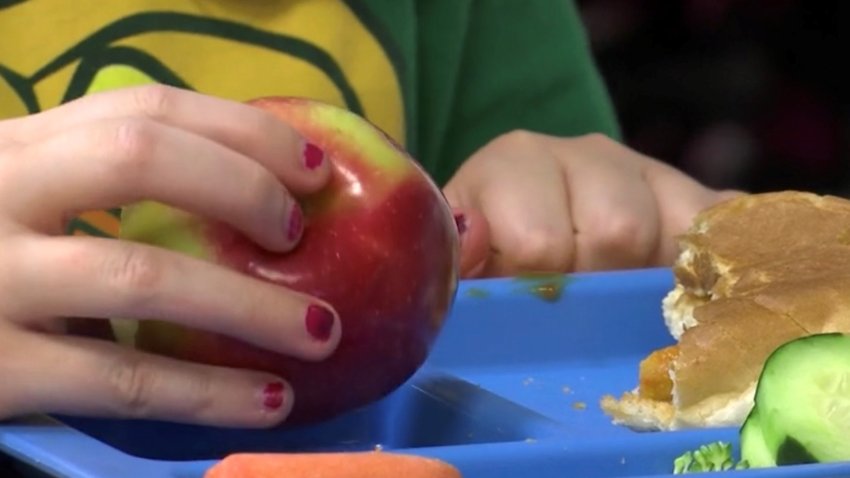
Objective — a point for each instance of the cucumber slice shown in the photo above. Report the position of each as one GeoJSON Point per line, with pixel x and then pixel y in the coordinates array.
{"type": "Point", "coordinates": [754, 450]}
{"type": "Point", "coordinates": [802, 403]}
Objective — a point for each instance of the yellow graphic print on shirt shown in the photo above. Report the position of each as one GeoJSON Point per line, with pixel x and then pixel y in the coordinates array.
{"type": "Point", "coordinates": [228, 48]}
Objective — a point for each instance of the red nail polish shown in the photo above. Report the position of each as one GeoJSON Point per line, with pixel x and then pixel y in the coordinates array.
{"type": "Point", "coordinates": [273, 395]}
{"type": "Point", "coordinates": [320, 322]}
{"type": "Point", "coordinates": [313, 156]}
{"type": "Point", "coordinates": [460, 222]}
{"type": "Point", "coordinates": [296, 223]}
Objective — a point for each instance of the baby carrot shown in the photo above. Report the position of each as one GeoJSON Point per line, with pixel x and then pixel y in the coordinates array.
{"type": "Point", "coordinates": [371, 464]}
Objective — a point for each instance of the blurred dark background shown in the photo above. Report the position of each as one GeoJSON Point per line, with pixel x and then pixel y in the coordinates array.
{"type": "Point", "coordinates": [743, 94]}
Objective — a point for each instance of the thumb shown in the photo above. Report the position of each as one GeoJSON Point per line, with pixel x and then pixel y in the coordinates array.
{"type": "Point", "coordinates": [474, 241]}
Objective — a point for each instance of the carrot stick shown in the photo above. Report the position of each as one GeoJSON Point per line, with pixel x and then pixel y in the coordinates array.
{"type": "Point", "coordinates": [369, 464]}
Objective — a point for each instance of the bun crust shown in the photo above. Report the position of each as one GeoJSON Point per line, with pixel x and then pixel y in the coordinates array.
{"type": "Point", "coordinates": [751, 241]}
{"type": "Point", "coordinates": [754, 272]}
{"type": "Point", "coordinates": [724, 354]}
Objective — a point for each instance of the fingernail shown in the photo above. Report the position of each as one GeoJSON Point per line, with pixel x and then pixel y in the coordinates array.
{"type": "Point", "coordinates": [320, 322]}
{"type": "Point", "coordinates": [313, 156]}
{"type": "Point", "coordinates": [460, 222]}
{"type": "Point", "coordinates": [296, 223]}
{"type": "Point", "coordinates": [273, 395]}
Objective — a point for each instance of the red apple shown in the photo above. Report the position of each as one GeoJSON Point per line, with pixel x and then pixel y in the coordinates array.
{"type": "Point", "coordinates": [380, 245]}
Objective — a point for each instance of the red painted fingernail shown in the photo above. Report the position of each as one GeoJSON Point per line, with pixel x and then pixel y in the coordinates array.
{"type": "Point", "coordinates": [460, 222]}
{"type": "Point", "coordinates": [313, 156]}
{"type": "Point", "coordinates": [273, 395]}
{"type": "Point", "coordinates": [295, 224]}
{"type": "Point", "coordinates": [320, 322]}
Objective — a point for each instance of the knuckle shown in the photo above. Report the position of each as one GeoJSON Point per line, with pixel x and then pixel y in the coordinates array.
{"type": "Point", "coordinates": [504, 149]}
{"type": "Point", "coordinates": [624, 233]}
{"type": "Point", "coordinates": [135, 272]}
{"type": "Point", "coordinates": [604, 146]}
{"type": "Point", "coordinates": [133, 143]}
{"type": "Point", "coordinates": [516, 139]}
{"type": "Point", "coordinates": [131, 382]}
{"type": "Point", "coordinates": [154, 101]}
{"type": "Point", "coordinates": [542, 248]}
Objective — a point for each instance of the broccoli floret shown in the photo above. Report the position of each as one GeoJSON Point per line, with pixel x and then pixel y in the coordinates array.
{"type": "Point", "coordinates": [715, 456]}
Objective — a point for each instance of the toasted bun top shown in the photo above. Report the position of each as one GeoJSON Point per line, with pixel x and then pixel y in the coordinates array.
{"type": "Point", "coordinates": [742, 244]}
{"type": "Point", "coordinates": [769, 268]}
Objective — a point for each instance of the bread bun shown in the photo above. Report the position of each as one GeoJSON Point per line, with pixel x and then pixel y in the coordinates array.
{"type": "Point", "coordinates": [754, 272]}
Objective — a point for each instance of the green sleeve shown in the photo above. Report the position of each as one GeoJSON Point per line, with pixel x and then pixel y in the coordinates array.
{"type": "Point", "coordinates": [488, 67]}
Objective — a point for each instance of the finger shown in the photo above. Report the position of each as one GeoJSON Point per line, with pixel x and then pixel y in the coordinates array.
{"type": "Point", "coordinates": [248, 130]}
{"type": "Point", "coordinates": [106, 278]}
{"type": "Point", "coordinates": [80, 376]}
{"type": "Point", "coordinates": [527, 214]}
{"type": "Point", "coordinates": [116, 162]}
{"type": "Point", "coordinates": [613, 209]}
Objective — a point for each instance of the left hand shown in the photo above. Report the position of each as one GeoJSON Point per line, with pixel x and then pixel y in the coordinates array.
{"type": "Point", "coordinates": [536, 203]}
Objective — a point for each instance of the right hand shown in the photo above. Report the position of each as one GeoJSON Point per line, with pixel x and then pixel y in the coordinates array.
{"type": "Point", "coordinates": [216, 158]}
{"type": "Point", "coordinates": [539, 203]}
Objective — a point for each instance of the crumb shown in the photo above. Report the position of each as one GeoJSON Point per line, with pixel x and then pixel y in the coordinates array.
{"type": "Point", "coordinates": [567, 390]}
{"type": "Point", "coordinates": [623, 460]}
{"type": "Point", "coordinates": [579, 405]}
{"type": "Point", "coordinates": [379, 447]}
{"type": "Point", "coordinates": [528, 381]}
{"type": "Point", "coordinates": [531, 440]}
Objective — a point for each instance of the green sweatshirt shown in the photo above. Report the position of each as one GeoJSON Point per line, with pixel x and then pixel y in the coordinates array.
{"type": "Point", "coordinates": [443, 77]}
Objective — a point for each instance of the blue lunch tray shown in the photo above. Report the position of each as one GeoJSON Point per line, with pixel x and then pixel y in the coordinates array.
{"type": "Point", "coordinates": [510, 390]}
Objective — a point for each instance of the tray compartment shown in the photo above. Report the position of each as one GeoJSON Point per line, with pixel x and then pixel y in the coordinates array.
{"type": "Point", "coordinates": [431, 410]}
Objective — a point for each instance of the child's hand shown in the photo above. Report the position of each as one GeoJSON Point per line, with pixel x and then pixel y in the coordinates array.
{"type": "Point", "coordinates": [216, 158]}
{"type": "Point", "coordinates": [541, 203]}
